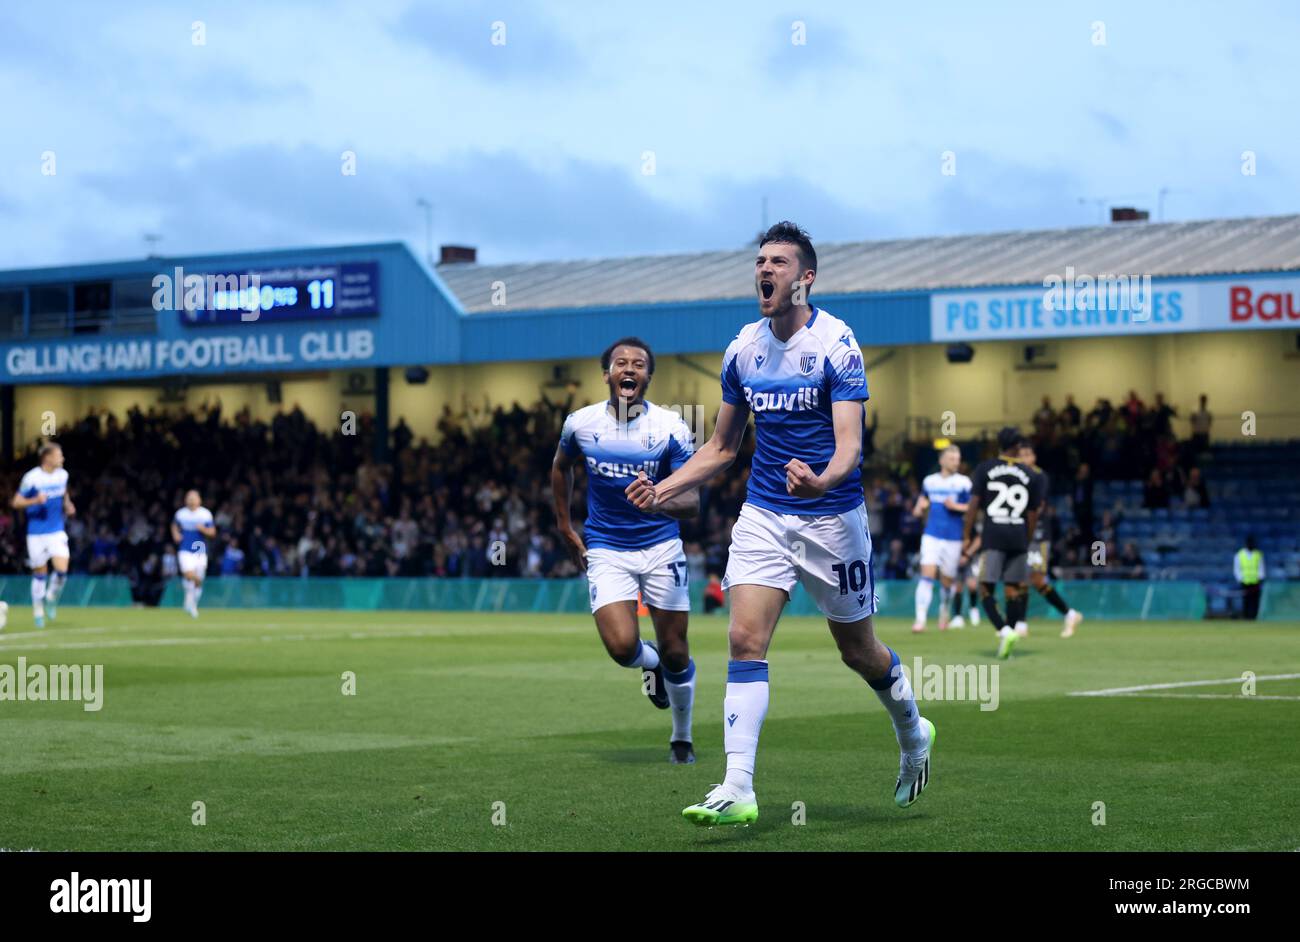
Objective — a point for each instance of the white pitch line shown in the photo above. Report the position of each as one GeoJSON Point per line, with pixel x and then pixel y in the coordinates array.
{"type": "Point", "coordinates": [1120, 691]}
{"type": "Point", "coordinates": [1207, 696]}
{"type": "Point", "coordinates": [380, 635]}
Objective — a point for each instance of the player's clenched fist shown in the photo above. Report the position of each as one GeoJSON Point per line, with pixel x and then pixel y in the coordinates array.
{"type": "Point", "coordinates": [800, 481]}
{"type": "Point", "coordinates": [641, 493]}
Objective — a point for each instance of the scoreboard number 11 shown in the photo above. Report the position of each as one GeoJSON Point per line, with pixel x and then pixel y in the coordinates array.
{"type": "Point", "coordinates": [322, 293]}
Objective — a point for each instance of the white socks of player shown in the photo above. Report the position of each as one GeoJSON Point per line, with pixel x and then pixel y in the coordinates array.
{"type": "Point", "coordinates": [38, 593]}
{"type": "Point", "coordinates": [646, 658]}
{"type": "Point", "coordinates": [924, 593]}
{"type": "Point", "coordinates": [743, 711]}
{"type": "Point", "coordinates": [895, 692]}
{"type": "Point", "coordinates": [55, 586]}
{"type": "Point", "coordinates": [681, 700]}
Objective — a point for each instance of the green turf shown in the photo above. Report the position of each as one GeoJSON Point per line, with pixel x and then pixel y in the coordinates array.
{"type": "Point", "coordinates": [242, 710]}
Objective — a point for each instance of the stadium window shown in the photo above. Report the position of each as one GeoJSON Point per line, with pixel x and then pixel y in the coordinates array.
{"type": "Point", "coordinates": [11, 313]}
{"type": "Point", "coordinates": [50, 309]}
{"type": "Point", "coordinates": [133, 310]}
{"type": "Point", "coordinates": [91, 307]}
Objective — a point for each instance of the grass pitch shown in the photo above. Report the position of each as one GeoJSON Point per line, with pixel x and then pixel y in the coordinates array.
{"type": "Point", "coordinates": [453, 713]}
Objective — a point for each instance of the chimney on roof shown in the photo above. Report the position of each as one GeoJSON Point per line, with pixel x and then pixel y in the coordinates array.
{"type": "Point", "coordinates": [1128, 214]}
{"type": "Point", "coordinates": [457, 255]}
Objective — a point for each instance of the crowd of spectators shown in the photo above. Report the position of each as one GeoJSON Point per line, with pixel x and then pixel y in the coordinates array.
{"type": "Point", "coordinates": [291, 499]}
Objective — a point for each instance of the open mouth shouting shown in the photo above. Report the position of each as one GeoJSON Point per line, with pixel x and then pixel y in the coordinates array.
{"type": "Point", "coordinates": [767, 288]}
{"type": "Point", "coordinates": [628, 387]}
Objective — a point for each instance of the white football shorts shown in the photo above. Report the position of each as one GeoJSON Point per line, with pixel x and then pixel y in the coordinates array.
{"type": "Point", "coordinates": [945, 554]}
{"type": "Point", "coordinates": [43, 547]}
{"type": "Point", "coordinates": [192, 562]}
{"type": "Point", "coordinates": [830, 555]}
{"type": "Point", "coordinates": [659, 574]}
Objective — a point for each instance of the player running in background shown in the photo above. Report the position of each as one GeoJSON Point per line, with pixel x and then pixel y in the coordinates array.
{"type": "Point", "coordinates": [1039, 552]}
{"type": "Point", "coordinates": [43, 493]}
{"type": "Point", "coordinates": [799, 371]}
{"type": "Point", "coordinates": [1009, 494]}
{"type": "Point", "coordinates": [626, 553]}
{"type": "Point", "coordinates": [192, 527]}
{"type": "Point", "coordinates": [944, 494]}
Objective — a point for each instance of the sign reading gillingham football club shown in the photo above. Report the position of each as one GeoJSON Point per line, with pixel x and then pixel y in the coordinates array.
{"type": "Point", "coordinates": [245, 350]}
{"type": "Point", "coordinates": [1071, 305]}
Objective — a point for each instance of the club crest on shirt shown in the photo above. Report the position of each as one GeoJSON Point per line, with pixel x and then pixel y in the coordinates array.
{"type": "Point", "coordinates": [807, 362]}
{"type": "Point", "coordinates": [648, 440]}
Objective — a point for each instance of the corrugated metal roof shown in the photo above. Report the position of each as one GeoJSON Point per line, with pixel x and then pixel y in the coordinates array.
{"type": "Point", "coordinates": [1223, 246]}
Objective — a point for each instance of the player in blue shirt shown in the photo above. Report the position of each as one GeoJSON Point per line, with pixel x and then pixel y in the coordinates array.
{"type": "Point", "coordinates": [943, 495]}
{"type": "Point", "coordinates": [192, 527]}
{"type": "Point", "coordinates": [628, 555]}
{"type": "Point", "coordinates": [799, 371]}
{"type": "Point", "coordinates": [43, 494]}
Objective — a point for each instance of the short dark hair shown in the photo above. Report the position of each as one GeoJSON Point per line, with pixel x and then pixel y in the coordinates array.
{"type": "Point", "coordinates": [47, 448]}
{"type": "Point", "coordinates": [1009, 439]}
{"type": "Point", "coordinates": [627, 342]}
{"type": "Point", "coordinates": [786, 231]}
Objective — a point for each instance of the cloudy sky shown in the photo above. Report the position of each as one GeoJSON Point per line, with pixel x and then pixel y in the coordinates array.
{"type": "Point", "coordinates": [223, 125]}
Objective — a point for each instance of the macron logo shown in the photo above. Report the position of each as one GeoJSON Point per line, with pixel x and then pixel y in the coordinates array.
{"type": "Point", "coordinates": [731, 720]}
{"type": "Point", "coordinates": [103, 896]}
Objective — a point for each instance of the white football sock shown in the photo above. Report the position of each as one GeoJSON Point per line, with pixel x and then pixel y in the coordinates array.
{"type": "Point", "coordinates": [55, 586]}
{"type": "Point", "coordinates": [198, 594]}
{"type": "Point", "coordinates": [189, 593]}
{"type": "Point", "coordinates": [742, 716]}
{"type": "Point", "coordinates": [38, 593]}
{"type": "Point", "coordinates": [681, 698]}
{"type": "Point", "coordinates": [945, 600]}
{"type": "Point", "coordinates": [895, 692]}
{"type": "Point", "coordinates": [646, 657]}
{"type": "Point", "coordinates": [924, 592]}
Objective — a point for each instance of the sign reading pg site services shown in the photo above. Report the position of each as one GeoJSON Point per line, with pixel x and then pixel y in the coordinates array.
{"type": "Point", "coordinates": [1083, 306]}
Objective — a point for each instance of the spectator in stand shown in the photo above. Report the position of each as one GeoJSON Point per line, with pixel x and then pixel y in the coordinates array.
{"type": "Point", "coordinates": [1201, 421]}
{"type": "Point", "coordinates": [714, 598]}
{"type": "Point", "coordinates": [1045, 417]}
{"type": "Point", "coordinates": [1130, 562]}
{"type": "Point", "coordinates": [1196, 494]}
{"type": "Point", "coordinates": [1081, 501]}
{"type": "Point", "coordinates": [1155, 495]}
{"type": "Point", "coordinates": [1070, 415]}
{"type": "Point", "coordinates": [232, 559]}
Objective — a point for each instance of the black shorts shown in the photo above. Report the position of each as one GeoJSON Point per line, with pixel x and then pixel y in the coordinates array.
{"type": "Point", "coordinates": [1004, 566]}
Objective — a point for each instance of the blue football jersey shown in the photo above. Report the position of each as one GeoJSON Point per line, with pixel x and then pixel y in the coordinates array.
{"type": "Point", "coordinates": [790, 387]}
{"type": "Point", "coordinates": [942, 523]}
{"type": "Point", "coordinates": [657, 442]}
{"type": "Point", "coordinates": [188, 522]}
{"type": "Point", "coordinates": [46, 518]}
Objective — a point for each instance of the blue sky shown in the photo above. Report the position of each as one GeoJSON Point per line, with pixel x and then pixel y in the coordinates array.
{"type": "Point", "coordinates": [534, 149]}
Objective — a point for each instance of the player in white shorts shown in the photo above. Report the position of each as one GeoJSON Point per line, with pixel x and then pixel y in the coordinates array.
{"type": "Point", "coordinates": [43, 494]}
{"type": "Point", "coordinates": [192, 527]}
{"type": "Point", "coordinates": [627, 554]}
{"type": "Point", "coordinates": [799, 371]}
{"type": "Point", "coordinates": [944, 495]}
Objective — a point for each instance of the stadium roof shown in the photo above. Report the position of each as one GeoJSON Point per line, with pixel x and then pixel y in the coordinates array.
{"type": "Point", "coordinates": [1224, 246]}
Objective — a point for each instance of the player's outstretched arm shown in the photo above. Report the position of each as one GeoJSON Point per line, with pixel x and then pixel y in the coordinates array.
{"type": "Point", "coordinates": [801, 481]}
{"type": "Point", "coordinates": [715, 455]}
{"type": "Point", "coordinates": [20, 502]}
{"type": "Point", "coordinates": [176, 534]}
{"type": "Point", "coordinates": [681, 506]}
{"type": "Point", "coordinates": [562, 493]}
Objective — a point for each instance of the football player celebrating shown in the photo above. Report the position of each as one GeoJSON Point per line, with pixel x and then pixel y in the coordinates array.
{"type": "Point", "coordinates": [628, 555]}
{"type": "Point", "coordinates": [799, 371]}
